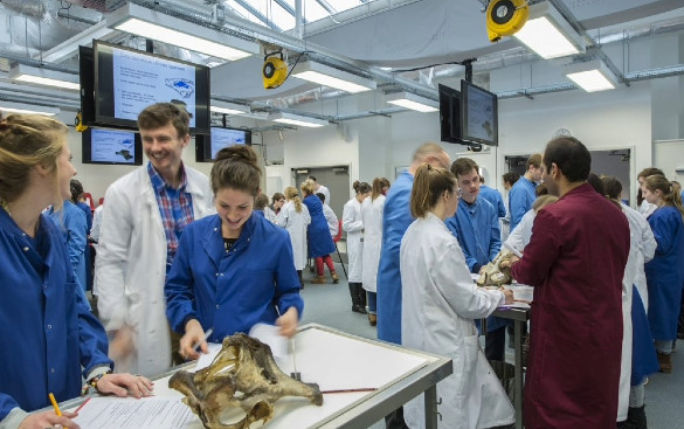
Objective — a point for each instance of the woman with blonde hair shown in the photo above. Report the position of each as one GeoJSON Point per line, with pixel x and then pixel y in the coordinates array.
{"type": "Point", "coordinates": [440, 303]}
{"type": "Point", "coordinates": [371, 214]}
{"type": "Point", "coordinates": [665, 272]}
{"type": "Point", "coordinates": [319, 240]}
{"type": "Point", "coordinates": [53, 341]}
{"type": "Point", "coordinates": [294, 217]}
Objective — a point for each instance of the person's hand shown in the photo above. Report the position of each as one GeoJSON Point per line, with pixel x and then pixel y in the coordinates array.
{"type": "Point", "coordinates": [508, 295]}
{"type": "Point", "coordinates": [288, 322]}
{"type": "Point", "coordinates": [48, 419]}
{"type": "Point", "coordinates": [482, 268]}
{"type": "Point", "coordinates": [125, 384]}
{"type": "Point", "coordinates": [122, 343]}
{"type": "Point", "coordinates": [509, 262]}
{"type": "Point", "coordinates": [194, 335]}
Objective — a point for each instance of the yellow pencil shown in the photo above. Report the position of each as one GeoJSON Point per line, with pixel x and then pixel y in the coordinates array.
{"type": "Point", "coordinates": [54, 404]}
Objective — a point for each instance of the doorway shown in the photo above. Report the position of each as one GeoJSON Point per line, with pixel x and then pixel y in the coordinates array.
{"type": "Point", "coordinates": [336, 179]}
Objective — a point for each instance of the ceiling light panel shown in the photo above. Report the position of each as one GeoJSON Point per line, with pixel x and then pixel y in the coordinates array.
{"type": "Point", "coordinates": [44, 77]}
{"type": "Point", "coordinates": [22, 108]}
{"type": "Point", "coordinates": [228, 108]}
{"type": "Point", "coordinates": [591, 76]}
{"type": "Point", "coordinates": [332, 77]}
{"type": "Point", "coordinates": [69, 47]}
{"type": "Point", "coordinates": [298, 120]}
{"type": "Point", "coordinates": [153, 25]}
{"type": "Point", "coordinates": [413, 102]}
{"type": "Point", "coordinates": [548, 34]}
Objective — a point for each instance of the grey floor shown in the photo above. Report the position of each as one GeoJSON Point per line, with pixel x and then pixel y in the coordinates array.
{"type": "Point", "coordinates": [330, 305]}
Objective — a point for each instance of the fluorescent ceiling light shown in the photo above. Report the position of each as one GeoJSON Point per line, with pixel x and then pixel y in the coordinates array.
{"type": "Point", "coordinates": [413, 102]}
{"type": "Point", "coordinates": [153, 25]}
{"type": "Point", "coordinates": [43, 76]}
{"type": "Point", "coordinates": [22, 108]}
{"type": "Point", "coordinates": [332, 77]}
{"type": "Point", "coordinates": [548, 34]}
{"type": "Point", "coordinates": [69, 47]}
{"type": "Point", "coordinates": [591, 76]}
{"type": "Point", "coordinates": [299, 120]}
{"type": "Point", "coordinates": [228, 108]}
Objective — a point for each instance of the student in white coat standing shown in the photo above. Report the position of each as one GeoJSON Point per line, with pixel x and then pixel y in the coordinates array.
{"type": "Point", "coordinates": [371, 213]}
{"type": "Point", "coordinates": [353, 226]}
{"type": "Point", "coordinates": [440, 302]}
{"type": "Point", "coordinates": [145, 214]}
{"type": "Point", "coordinates": [294, 217]}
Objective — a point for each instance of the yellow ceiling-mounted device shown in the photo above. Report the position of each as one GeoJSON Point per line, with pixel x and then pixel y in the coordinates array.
{"type": "Point", "coordinates": [274, 71]}
{"type": "Point", "coordinates": [505, 17]}
{"type": "Point", "coordinates": [78, 122]}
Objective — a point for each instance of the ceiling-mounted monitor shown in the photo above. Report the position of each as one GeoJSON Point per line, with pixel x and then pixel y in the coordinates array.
{"type": "Point", "coordinates": [207, 146]}
{"type": "Point", "coordinates": [128, 80]}
{"type": "Point", "coordinates": [479, 115]}
{"type": "Point", "coordinates": [450, 114]}
{"type": "Point", "coordinates": [103, 146]}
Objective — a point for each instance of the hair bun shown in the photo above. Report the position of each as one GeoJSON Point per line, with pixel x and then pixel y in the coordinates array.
{"type": "Point", "coordinates": [238, 153]}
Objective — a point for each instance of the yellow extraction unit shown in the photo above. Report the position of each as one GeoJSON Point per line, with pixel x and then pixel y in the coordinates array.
{"type": "Point", "coordinates": [505, 17]}
{"type": "Point", "coordinates": [274, 71]}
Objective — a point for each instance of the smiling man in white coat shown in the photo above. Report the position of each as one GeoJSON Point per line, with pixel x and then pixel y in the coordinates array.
{"type": "Point", "coordinates": [143, 219]}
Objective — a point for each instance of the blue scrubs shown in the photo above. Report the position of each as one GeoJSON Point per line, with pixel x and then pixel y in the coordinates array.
{"type": "Point", "coordinates": [476, 226]}
{"type": "Point", "coordinates": [231, 291]}
{"type": "Point", "coordinates": [73, 223]}
{"type": "Point", "coordinates": [318, 234]}
{"type": "Point", "coordinates": [665, 273]}
{"type": "Point", "coordinates": [89, 214]}
{"type": "Point", "coordinates": [47, 333]}
{"type": "Point", "coordinates": [494, 197]}
{"type": "Point", "coordinates": [396, 219]}
{"type": "Point", "coordinates": [520, 200]}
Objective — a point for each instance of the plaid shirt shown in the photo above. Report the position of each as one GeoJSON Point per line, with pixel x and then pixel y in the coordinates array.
{"type": "Point", "coordinates": [175, 207]}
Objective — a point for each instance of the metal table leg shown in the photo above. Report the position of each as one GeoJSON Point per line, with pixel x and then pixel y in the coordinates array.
{"type": "Point", "coordinates": [517, 374]}
{"type": "Point", "coordinates": [431, 408]}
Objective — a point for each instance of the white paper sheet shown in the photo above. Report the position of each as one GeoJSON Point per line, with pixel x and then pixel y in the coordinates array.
{"type": "Point", "coordinates": [206, 359]}
{"type": "Point", "coordinates": [152, 412]}
{"type": "Point", "coordinates": [268, 334]}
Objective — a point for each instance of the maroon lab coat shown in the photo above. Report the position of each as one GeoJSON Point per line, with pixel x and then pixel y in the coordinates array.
{"type": "Point", "coordinates": [575, 260]}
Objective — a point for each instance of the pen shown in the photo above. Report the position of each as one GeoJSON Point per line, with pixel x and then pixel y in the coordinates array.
{"type": "Point", "coordinates": [54, 405]}
{"type": "Point", "coordinates": [206, 335]}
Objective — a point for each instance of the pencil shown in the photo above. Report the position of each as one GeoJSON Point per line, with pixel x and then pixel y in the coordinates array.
{"type": "Point", "coordinates": [54, 404]}
{"type": "Point", "coordinates": [82, 405]}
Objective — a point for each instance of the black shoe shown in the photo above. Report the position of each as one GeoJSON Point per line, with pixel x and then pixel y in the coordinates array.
{"type": "Point", "coordinates": [636, 418]}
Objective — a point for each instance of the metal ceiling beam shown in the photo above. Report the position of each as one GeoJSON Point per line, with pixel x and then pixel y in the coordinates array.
{"type": "Point", "coordinates": [258, 15]}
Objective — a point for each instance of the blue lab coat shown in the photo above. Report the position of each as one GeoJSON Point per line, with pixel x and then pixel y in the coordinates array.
{"type": "Point", "coordinates": [47, 333]}
{"type": "Point", "coordinates": [396, 219]}
{"type": "Point", "coordinates": [72, 222]}
{"type": "Point", "coordinates": [231, 291]}
{"type": "Point", "coordinates": [476, 227]}
{"type": "Point", "coordinates": [89, 214]}
{"type": "Point", "coordinates": [520, 199]}
{"type": "Point", "coordinates": [318, 234]}
{"type": "Point", "coordinates": [494, 197]}
{"type": "Point", "coordinates": [644, 358]}
{"type": "Point", "coordinates": [665, 273]}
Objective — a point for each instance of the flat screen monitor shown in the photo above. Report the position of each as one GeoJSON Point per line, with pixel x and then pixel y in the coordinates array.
{"type": "Point", "coordinates": [450, 114]}
{"type": "Point", "coordinates": [479, 115]}
{"type": "Point", "coordinates": [127, 81]}
{"type": "Point", "coordinates": [103, 146]}
{"type": "Point", "coordinates": [207, 146]}
{"type": "Point", "coordinates": [86, 73]}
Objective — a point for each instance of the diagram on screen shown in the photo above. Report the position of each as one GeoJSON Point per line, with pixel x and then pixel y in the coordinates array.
{"type": "Point", "coordinates": [182, 86]}
{"type": "Point", "coordinates": [112, 146]}
{"type": "Point", "coordinates": [125, 153]}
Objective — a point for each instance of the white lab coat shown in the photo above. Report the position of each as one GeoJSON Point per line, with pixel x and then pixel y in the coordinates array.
{"type": "Point", "coordinates": [295, 223]}
{"type": "Point", "coordinates": [371, 213]}
{"type": "Point", "coordinates": [440, 301]}
{"type": "Point", "coordinates": [325, 191]}
{"type": "Point", "coordinates": [642, 246]}
{"type": "Point", "coordinates": [130, 267]}
{"type": "Point", "coordinates": [646, 209]}
{"type": "Point", "coordinates": [331, 219]}
{"type": "Point", "coordinates": [522, 234]}
{"type": "Point", "coordinates": [97, 223]}
{"type": "Point", "coordinates": [353, 226]}
{"type": "Point", "coordinates": [638, 225]}
{"type": "Point", "coordinates": [269, 214]}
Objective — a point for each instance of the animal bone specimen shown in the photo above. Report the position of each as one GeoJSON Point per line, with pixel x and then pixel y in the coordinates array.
{"type": "Point", "coordinates": [493, 275]}
{"type": "Point", "coordinates": [243, 380]}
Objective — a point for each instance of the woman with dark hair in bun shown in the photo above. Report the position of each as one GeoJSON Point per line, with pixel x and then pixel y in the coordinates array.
{"type": "Point", "coordinates": [233, 269]}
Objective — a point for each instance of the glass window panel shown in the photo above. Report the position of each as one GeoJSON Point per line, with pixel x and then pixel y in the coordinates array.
{"type": "Point", "coordinates": [242, 12]}
{"type": "Point", "coordinates": [313, 11]}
